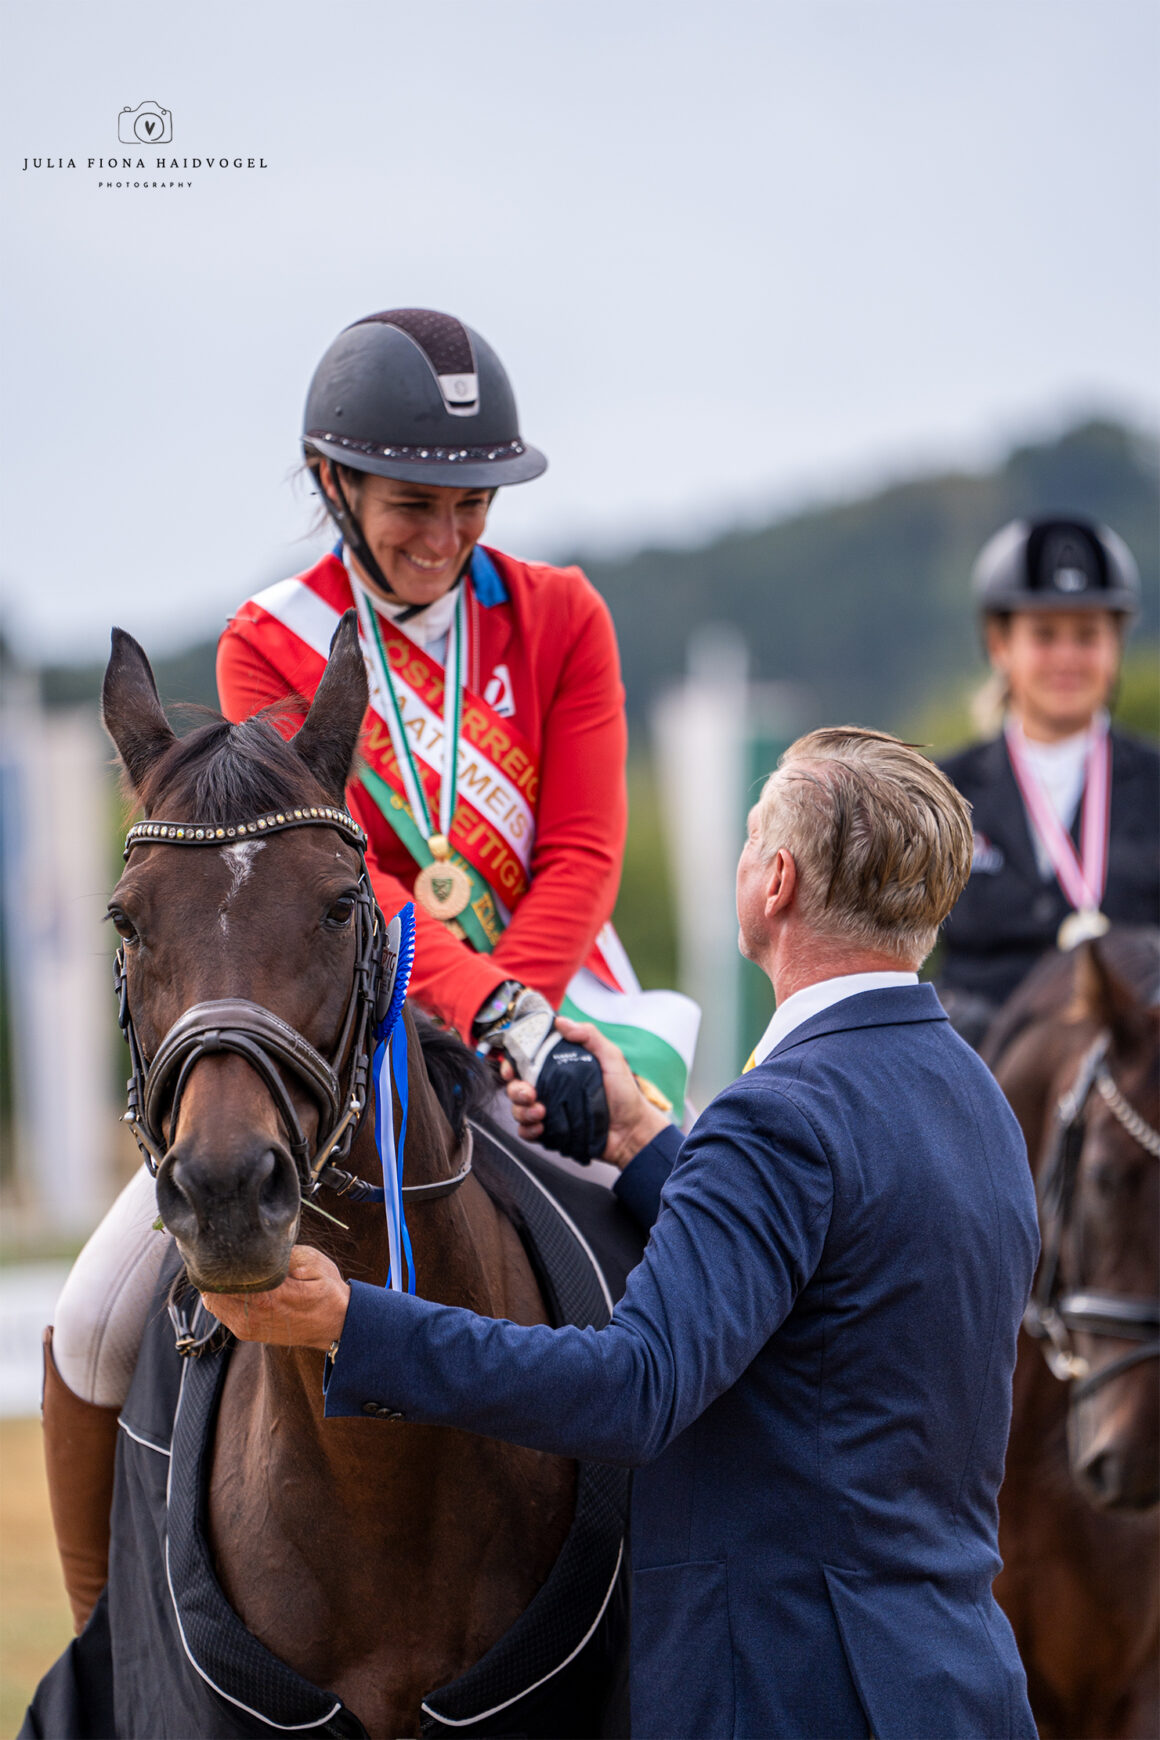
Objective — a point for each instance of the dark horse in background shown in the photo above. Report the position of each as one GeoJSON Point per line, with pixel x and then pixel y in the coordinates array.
{"type": "Point", "coordinates": [372, 1559]}
{"type": "Point", "coordinates": [1077, 1051]}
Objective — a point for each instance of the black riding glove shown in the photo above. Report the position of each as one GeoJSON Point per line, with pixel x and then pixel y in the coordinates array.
{"type": "Point", "coordinates": [566, 1077]}
{"type": "Point", "coordinates": [570, 1088]}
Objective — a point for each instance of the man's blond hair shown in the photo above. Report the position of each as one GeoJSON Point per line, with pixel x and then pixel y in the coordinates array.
{"type": "Point", "coordinates": [880, 837]}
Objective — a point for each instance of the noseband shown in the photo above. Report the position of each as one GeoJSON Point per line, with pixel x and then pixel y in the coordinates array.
{"type": "Point", "coordinates": [270, 1045]}
{"type": "Point", "coordinates": [1053, 1311]}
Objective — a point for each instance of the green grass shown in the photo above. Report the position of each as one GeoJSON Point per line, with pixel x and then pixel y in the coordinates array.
{"type": "Point", "coordinates": [35, 1623]}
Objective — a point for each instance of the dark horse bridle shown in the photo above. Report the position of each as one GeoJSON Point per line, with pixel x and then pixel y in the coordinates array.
{"type": "Point", "coordinates": [1055, 1311]}
{"type": "Point", "coordinates": [270, 1045]}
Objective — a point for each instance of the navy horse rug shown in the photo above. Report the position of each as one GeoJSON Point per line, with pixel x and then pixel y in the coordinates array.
{"type": "Point", "coordinates": [165, 1657]}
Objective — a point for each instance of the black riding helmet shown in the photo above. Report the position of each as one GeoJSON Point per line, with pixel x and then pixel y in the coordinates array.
{"type": "Point", "coordinates": [414, 395]}
{"type": "Point", "coordinates": [1056, 564]}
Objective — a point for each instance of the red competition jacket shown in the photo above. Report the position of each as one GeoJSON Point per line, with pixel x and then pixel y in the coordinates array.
{"type": "Point", "coordinates": [544, 637]}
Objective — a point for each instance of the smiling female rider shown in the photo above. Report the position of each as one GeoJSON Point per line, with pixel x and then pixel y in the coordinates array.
{"type": "Point", "coordinates": [511, 850]}
{"type": "Point", "coordinates": [1065, 806]}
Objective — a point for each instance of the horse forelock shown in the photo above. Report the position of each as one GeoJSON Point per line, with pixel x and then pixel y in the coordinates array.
{"type": "Point", "coordinates": [225, 773]}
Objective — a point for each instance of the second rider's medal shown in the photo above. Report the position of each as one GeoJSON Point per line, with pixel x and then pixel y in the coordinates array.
{"type": "Point", "coordinates": [1083, 926]}
{"type": "Point", "coordinates": [443, 887]}
{"type": "Point", "coordinates": [1082, 876]}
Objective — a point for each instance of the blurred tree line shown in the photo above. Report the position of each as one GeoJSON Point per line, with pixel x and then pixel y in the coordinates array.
{"type": "Point", "coordinates": [868, 602]}
{"type": "Point", "coordinates": [864, 604]}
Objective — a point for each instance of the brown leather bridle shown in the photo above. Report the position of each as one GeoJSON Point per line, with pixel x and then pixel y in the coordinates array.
{"type": "Point", "coordinates": [1055, 1310]}
{"type": "Point", "coordinates": [271, 1047]}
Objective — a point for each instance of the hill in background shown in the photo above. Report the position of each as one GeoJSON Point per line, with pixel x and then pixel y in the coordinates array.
{"type": "Point", "coordinates": [868, 602]}
{"type": "Point", "coordinates": [865, 603]}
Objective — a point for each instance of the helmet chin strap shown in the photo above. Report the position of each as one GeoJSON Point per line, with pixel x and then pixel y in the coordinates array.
{"type": "Point", "coordinates": [343, 516]}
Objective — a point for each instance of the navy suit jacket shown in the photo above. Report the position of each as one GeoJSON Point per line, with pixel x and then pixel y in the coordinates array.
{"type": "Point", "coordinates": [811, 1370]}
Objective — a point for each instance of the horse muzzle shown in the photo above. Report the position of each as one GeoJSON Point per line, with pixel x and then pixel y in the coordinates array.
{"type": "Point", "coordinates": [1118, 1480]}
{"type": "Point", "coordinates": [1112, 1435]}
{"type": "Point", "coordinates": [235, 1220]}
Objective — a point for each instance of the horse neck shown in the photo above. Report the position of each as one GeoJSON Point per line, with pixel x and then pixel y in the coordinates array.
{"type": "Point", "coordinates": [465, 1250]}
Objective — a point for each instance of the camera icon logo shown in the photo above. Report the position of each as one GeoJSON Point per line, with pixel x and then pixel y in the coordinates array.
{"type": "Point", "coordinates": [147, 124]}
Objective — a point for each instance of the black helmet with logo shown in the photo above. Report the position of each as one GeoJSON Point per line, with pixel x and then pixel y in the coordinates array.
{"type": "Point", "coordinates": [1056, 564]}
{"type": "Point", "coordinates": [416, 395]}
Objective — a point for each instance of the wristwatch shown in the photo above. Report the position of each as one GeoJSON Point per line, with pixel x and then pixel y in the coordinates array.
{"type": "Point", "coordinates": [495, 1013]}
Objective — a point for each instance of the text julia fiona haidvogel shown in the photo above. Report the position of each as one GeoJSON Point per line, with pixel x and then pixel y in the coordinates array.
{"type": "Point", "coordinates": [139, 163]}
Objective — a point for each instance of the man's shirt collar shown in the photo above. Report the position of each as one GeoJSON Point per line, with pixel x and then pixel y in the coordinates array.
{"type": "Point", "coordinates": [814, 998]}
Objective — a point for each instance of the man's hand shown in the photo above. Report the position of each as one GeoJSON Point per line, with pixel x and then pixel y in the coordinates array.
{"type": "Point", "coordinates": [632, 1121]}
{"type": "Point", "coordinates": [307, 1310]}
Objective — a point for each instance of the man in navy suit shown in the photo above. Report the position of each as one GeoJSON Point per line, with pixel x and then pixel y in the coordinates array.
{"type": "Point", "coordinates": [811, 1367]}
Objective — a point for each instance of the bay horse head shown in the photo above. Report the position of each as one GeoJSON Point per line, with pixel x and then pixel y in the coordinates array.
{"type": "Point", "coordinates": [1097, 1295]}
{"type": "Point", "coordinates": [247, 965]}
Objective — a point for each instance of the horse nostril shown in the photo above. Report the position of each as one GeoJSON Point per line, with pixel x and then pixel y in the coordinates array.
{"type": "Point", "coordinates": [177, 1211]}
{"type": "Point", "coordinates": [200, 1198]}
{"type": "Point", "coordinates": [1103, 1475]}
{"type": "Point", "coordinates": [277, 1190]}
{"type": "Point", "coordinates": [1122, 1482]}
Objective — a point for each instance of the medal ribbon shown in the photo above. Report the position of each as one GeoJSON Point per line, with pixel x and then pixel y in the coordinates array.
{"type": "Point", "coordinates": [1082, 879]}
{"type": "Point", "coordinates": [390, 1061]}
{"type": "Point", "coordinates": [452, 718]}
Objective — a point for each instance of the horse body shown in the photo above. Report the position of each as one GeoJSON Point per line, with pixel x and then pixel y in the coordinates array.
{"type": "Point", "coordinates": [1078, 1525]}
{"type": "Point", "coordinates": [379, 1561]}
{"type": "Point", "coordinates": [1078, 1584]}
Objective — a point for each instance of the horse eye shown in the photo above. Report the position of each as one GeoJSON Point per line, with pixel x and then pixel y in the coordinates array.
{"type": "Point", "coordinates": [121, 924]}
{"type": "Point", "coordinates": [338, 915]}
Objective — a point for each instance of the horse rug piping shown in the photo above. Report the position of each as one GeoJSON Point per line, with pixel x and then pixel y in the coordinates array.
{"type": "Point", "coordinates": [164, 1656]}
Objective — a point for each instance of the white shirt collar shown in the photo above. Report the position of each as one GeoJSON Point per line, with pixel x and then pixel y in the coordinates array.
{"type": "Point", "coordinates": [1063, 749]}
{"type": "Point", "coordinates": [426, 627]}
{"type": "Point", "coordinates": [814, 998]}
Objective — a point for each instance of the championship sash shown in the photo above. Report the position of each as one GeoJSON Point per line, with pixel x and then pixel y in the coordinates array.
{"type": "Point", "coordinates": [493, 827]}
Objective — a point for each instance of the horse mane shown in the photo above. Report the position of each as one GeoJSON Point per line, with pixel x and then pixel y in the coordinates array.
{"type": "Point", "coordinates": [458, 1076]}
{"type": "Point", "coordinates": [1132, 952]}
{"type": "Point", "coordinates": [225, 773]}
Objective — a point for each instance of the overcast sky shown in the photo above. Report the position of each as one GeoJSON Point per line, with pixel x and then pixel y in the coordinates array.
{"type": "Point", "coordinates": [733, 255]}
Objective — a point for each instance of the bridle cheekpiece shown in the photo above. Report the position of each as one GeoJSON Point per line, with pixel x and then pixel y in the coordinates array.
{"type": "Point", "coordinates": [1055, 1311]}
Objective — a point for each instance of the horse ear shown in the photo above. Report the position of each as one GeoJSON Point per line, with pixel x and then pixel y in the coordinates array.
{"type": "Point", "coordinates": [328, 736]}
{"type": "Point", "coordinates": [1103, 997]}
{"type": "Point", "coordinates": [131, 708]}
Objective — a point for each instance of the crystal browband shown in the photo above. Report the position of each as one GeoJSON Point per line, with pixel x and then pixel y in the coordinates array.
{"type": "Point", "coordinates": [372, 449]}
{"type": "Point", "coordinates": [213, 834]}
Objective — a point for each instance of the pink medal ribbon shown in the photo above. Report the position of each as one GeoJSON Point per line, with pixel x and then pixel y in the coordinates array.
{"type": "Point", "coordinates": [1082, 876]}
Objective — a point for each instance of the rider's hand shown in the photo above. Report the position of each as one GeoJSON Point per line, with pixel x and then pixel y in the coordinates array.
{"type": "Point", "coordinates": [307, 1310]}
{"type": "Point", "coordinates": [566, 1077]}
{"type": "Point", "coordinates": [632, 1121]}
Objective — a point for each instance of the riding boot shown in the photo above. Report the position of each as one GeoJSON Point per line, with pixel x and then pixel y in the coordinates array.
{"type": "Point", "coordinates": [80, 1440]}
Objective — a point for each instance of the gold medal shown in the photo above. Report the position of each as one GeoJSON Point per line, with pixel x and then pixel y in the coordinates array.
{"type": "Point", "coordinates": [442, 888]}
{"type": "Point", "coordinates": [1082, 926]}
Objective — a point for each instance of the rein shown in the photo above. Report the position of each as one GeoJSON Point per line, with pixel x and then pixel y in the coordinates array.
{"type": "Point", "coordinates": [270, 1045]}
{"type": "Point", "coordinates": [1054, 1311]}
